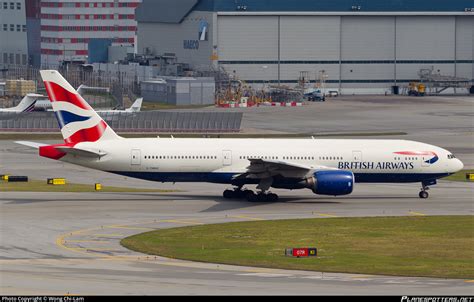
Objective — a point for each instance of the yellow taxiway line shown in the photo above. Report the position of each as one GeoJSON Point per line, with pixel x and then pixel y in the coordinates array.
{"type": "Point", "coordinates": [416, 213]}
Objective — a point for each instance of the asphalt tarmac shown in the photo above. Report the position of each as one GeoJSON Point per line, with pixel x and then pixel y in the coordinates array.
{"type": "Point", "coordinates": [56, 244]}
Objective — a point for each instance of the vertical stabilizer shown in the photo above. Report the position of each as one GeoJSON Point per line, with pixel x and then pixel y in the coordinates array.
{"type": "Point", "coordinates": [77, 120]}
{"type": "Point", "coordinates": [27, 104]}
{"type": "Point", "coordinates": [136, 106]}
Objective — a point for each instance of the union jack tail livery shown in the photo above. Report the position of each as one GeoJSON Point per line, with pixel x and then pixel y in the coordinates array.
{"type": "Point", "coordinates": [76, 118]}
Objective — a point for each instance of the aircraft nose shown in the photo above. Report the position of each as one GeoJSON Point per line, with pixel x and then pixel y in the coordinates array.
{"type": "Point", "coordinates": [457, 165]}
{"type": "Point", "coordinates": [460, 165]}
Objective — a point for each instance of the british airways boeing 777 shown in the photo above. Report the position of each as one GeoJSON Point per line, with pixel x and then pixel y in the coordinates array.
{"type": "Point", "coordinates": [325, 166]}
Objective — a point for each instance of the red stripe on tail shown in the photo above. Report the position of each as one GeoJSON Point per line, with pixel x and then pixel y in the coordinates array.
{"type": "Point", "coordinates": [57, 93]}
{"type": "Point", "coordinates": [87, 135]}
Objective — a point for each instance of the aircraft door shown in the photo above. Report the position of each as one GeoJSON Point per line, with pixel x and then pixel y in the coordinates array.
{"type": "Point", "coordinates": [227, 157]}
{"type": "Point", "coordinates": [356, 156]}
{"type": "Point", "coordinates": [135, 157]}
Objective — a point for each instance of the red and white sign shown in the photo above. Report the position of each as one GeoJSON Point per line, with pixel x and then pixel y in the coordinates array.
{"type": "Point", "coordinates": [300, 252]}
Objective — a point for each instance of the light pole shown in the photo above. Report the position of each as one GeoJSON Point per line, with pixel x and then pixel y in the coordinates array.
{"type": "Point", "coordinates": [264, 67]}
{"type": "Point", "coordinates": [322, 79]}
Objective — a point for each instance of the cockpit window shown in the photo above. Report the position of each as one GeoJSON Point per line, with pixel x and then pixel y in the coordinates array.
{"type": "Point", "coordinates": [451, 156]}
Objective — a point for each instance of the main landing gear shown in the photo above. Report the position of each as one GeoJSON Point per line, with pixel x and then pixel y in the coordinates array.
{"type": "Point", "coordinates": [250, 195]}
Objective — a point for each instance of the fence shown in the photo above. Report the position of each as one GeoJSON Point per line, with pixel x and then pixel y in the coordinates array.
{"type": "Point", "coordinates": [120, 83]}
{"type": "Point", "coordinates": [147, 121]}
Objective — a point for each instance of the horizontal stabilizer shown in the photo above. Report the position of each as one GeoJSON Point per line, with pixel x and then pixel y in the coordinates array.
{"type": "Point", "coordinates": [30, 144]}
{"type": "Point", "coordinates": [80, 152]}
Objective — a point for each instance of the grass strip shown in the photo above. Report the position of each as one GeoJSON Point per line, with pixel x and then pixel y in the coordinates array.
{"type": "Point", "coordinates": [42, 186]}
{"type": "Point", "coordinates": [460, 176]}
{"type": "Point", "coordinates": [429, 246]}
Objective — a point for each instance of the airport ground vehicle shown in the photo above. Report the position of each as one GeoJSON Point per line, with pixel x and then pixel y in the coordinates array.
{"type": "Point", "coordinates": [333, 93]}
{"type": "Point", "coordinates": [315, 96]}
{"type": "Point", "coordinates": [416, 89]}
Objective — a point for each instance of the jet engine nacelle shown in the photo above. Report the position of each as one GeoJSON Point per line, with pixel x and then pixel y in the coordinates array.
{"type": "Point", "coordinates": [333, 183]}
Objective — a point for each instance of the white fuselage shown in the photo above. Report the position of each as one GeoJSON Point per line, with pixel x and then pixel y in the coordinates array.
{"type": "Point", "coordinates": [218, 160]}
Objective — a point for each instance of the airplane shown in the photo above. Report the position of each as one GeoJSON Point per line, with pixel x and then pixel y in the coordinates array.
{"type": "Point", "coordinates": [26, 105]}
{"type": "Point", "coordinates": [45, 105]}
{"type": "Point", "coordinates": [326, 166]}
{"type": "Point", "coordinates": [136, 107]}
{"type": "Point", "coordinates": [83, 88]}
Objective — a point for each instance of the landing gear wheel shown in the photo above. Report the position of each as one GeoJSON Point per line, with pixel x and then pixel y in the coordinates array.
{"type": "Point", "coordinates": [250, 196]}
{"type": "Point", "coordinates": [228, 194]}
{"type": "Point", "coordinates": [272, 197]}
{"type": "Point", "coordinates": [246, 191]}
{"type": "Point", "coordinates": [262, 197]}
{"type": "Point", "coordinates": [423, 194]}
{"type": "Point", "coordinates": [235, 193]}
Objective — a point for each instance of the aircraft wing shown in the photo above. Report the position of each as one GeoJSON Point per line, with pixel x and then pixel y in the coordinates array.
{"type": "Point", "coordinates": [264, 168]}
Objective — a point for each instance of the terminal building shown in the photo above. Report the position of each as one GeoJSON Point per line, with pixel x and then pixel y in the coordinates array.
{"type": "Point", "coordinates": [355, 46]}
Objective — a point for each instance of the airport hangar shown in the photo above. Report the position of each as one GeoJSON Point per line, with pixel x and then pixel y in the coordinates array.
{"type": "Point", "coordinates": [364, 46]}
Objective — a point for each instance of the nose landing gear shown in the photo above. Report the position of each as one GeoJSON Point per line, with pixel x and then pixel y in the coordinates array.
{"type": "Point", "coordinates": [424, 194]}
{"type": "Point", "coordinates": [424, 188]}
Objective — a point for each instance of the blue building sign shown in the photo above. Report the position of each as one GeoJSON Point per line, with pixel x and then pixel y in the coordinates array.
{"type": "Point", "coordinates": [191, 44]}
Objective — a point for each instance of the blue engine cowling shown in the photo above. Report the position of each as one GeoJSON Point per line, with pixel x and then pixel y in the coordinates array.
{"type": "Point", "coordinates": [333, 182]}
